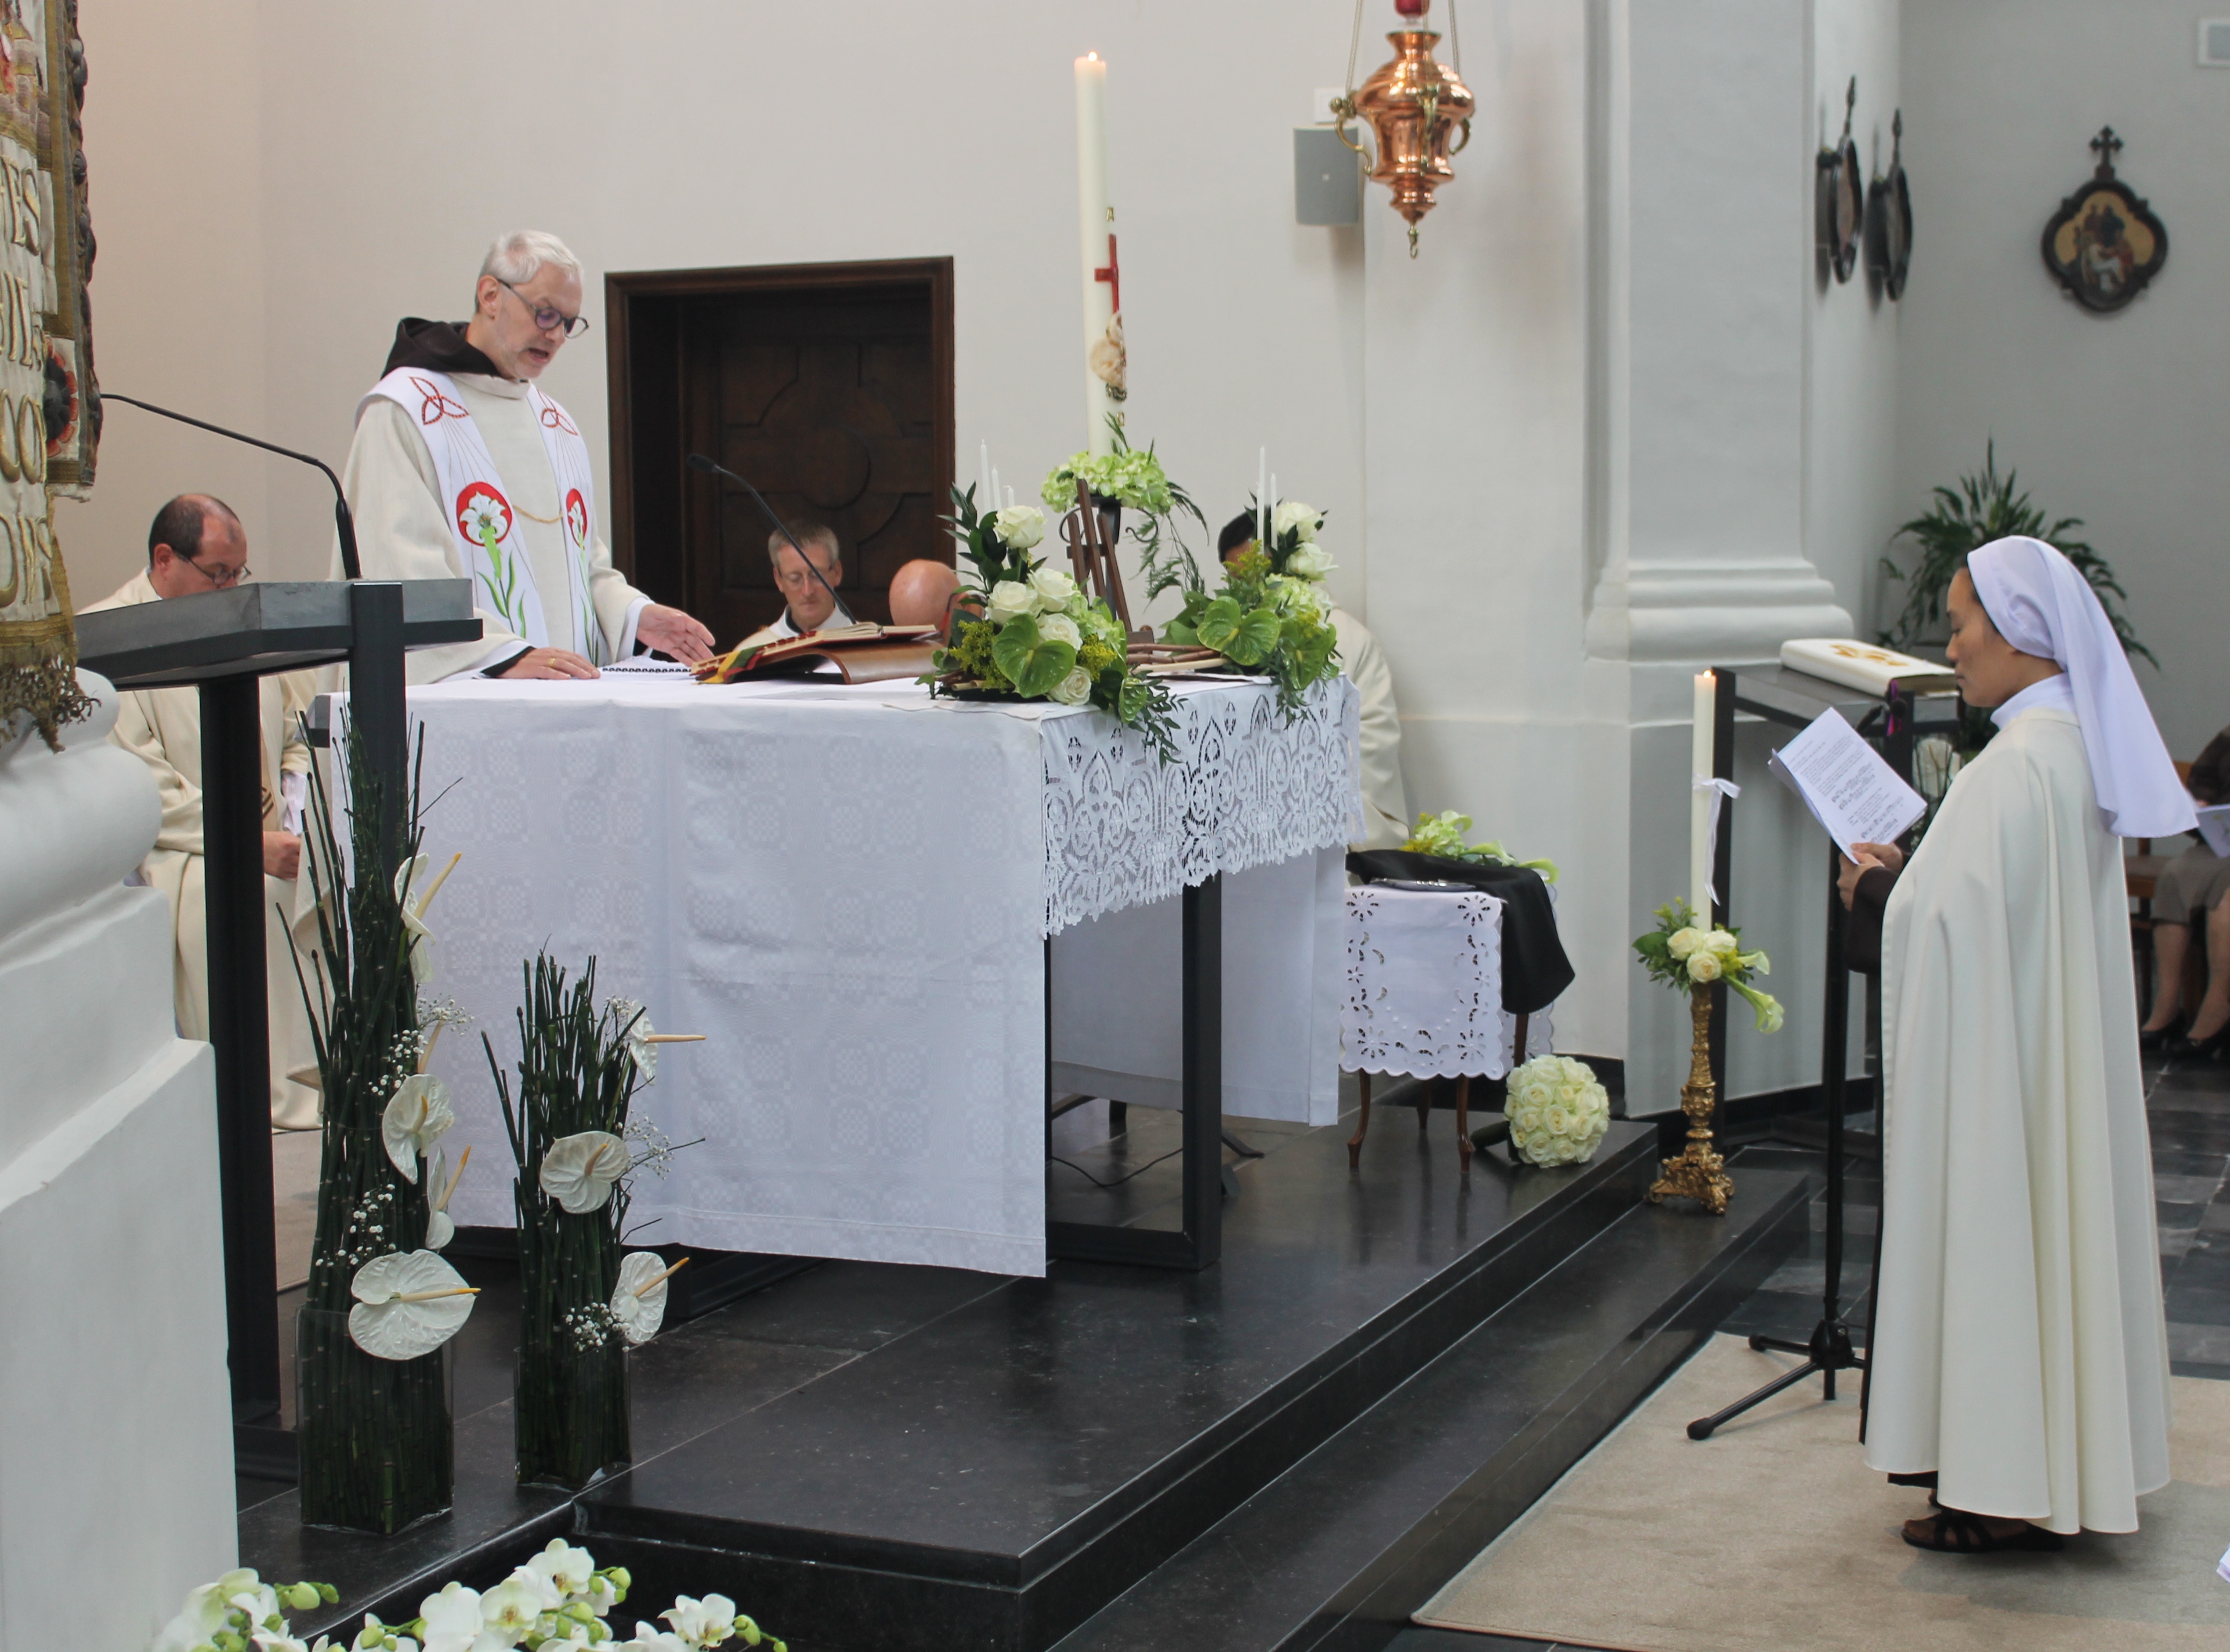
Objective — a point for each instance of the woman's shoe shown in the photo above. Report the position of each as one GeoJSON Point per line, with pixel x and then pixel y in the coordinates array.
{"type": "Point", "coordinates": [2159, 1040]}
{"type": "Point", "coordinates": [2191, 1052]}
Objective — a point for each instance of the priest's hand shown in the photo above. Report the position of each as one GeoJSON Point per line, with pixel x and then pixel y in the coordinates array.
{"type": "Point", "coordinates": [1887, 856]}
{"type": "Point", "coordinates": [282, 856]}
{"type": "Point", "coordinates": [548, 663]}
{"type": "Point", "coordinates": [673, 632]}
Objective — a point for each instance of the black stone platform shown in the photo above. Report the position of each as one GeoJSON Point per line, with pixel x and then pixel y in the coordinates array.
{"type": "Point", "coordinates": [873, 1457]}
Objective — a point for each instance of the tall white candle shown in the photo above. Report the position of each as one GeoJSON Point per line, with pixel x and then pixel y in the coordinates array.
{"type": "Point", "coordinates": [983, 475]}
{"type": "Point", "coordinates": [1699, 801]}
{"type": "Point", "coordinates": [994, 494]}
{"type": "Point", "coordinates": [1262, 497]}
{"type": "Point", "coordinates": [1096, 223]}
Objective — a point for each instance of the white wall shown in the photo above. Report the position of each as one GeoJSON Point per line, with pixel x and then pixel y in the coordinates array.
{"type": "Point", "coordinates": [2121, 420]}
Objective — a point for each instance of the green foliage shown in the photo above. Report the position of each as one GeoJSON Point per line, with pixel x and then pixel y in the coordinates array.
{"type": "Point", "coordinates": [1444, 835]}
{"type": "Point", "coordinates": [1035, 665]}
{"type": "Point", "coordinates": [1264, 621]}
{"type": "Point", "coordinates": [1986, 506]}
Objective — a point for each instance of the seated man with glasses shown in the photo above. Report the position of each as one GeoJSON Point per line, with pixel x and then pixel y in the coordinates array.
{"type": "Point", "coordinates": [196, 545]}
{"type": "Point", "coordinates": [462, 468]}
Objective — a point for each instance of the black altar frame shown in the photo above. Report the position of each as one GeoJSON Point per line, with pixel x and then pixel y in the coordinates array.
{"type": "Point", "coordinates": [221, 642]}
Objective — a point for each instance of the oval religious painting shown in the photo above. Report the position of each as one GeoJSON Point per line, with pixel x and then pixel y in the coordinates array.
{"type": "Point", "coordinates": [1889, 220]}
{"type": "Point", "coordinates": [1840, 198]}
{"type": "Point", "coordinates": [2105, 244]}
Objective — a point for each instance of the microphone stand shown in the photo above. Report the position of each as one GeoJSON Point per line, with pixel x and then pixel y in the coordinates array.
{"type": "Point", "coordinates": [700, 462]}
{"type": "Point", "coordinates": [342, 520]}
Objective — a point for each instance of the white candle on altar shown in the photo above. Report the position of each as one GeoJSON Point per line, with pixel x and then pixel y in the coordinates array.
{"type": "Point", "coordinates": [993, 496]}
{"type": "Point", "coordinates": [1011, 499]}
{"type": "Point", "coordinates": [1699, 800]}
{"type": "Point", "coordinates": [1262, 498]}
{"type": "Point", "coordinates": [1096, 221]}
{"type": "Point", "coordinates": [983, 474]}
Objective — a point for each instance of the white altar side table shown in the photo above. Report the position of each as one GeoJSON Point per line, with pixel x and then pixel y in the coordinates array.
{"type": "Point", "coordinates": [1424, 997]}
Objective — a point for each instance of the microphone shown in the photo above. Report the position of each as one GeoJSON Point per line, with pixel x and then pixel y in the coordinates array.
{"type": "Point", "coordinates": [342, 519]}
{"type": "Point", "coordinates": [698, 462]}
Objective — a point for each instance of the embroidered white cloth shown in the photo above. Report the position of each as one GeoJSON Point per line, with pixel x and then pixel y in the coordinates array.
{"type": "Point", "coordinates": [850, 900]}
{"type": "Point", "coordinates": [1424, 986]}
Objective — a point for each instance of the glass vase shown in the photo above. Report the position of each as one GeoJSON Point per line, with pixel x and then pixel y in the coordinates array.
{"type": "Point", "coordinates": [376, 1436]}
{"type": "Point", "coordinates": [570, 1410]}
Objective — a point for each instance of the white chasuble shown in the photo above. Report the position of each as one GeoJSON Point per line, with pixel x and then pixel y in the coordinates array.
{"type": "Point", "coordinates": [2020, 1348]}
{"type": "Point", "coordinates": [513, 508]}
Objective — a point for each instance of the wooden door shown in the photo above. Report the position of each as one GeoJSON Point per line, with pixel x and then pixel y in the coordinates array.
{"type": "Point", "coordinates": [829, 386]}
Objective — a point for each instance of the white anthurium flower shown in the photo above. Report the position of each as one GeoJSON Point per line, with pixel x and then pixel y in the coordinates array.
{"type": "Point", "coordinates": [408, 1304]}
{"type": "Point", "coordinates": [571, 1571]}
{"type": "Point", "coordinates": [1292, 517]}
{"type": "Point", "coordinates": [702, 1622]}
{"type": "Point", "coordinates": [637, 1304]}
{"type": "Point", "coordinates": [1010, 599]}
{"type": "Point", "coordinates": [414, 1120]}
{"type": "Point", "coordinates": [1059, 628]}
{"type": "Point", "coordinates": [578, 1170]}
{"type": "Point", "coordinates": [641, 1049]}
{"type": "Point", "coordinates": [1310, 562]}
{"type": "Point", "coordinates": [1053, 587]}
{"type": "Point", "coordinates": [411, 894]}
{"type": "Point", "coordinates": [1019, 526]}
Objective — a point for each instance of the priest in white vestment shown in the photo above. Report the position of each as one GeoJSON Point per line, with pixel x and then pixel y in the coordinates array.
{"type": "Point", "coordinates": [2019, 1359]}
{"type": "Point", "coordinates": [197, 544]}
{"type": "Point", "coordinates": [462, 468]}
{"type": "Point", "coordinates": [1385, 802]}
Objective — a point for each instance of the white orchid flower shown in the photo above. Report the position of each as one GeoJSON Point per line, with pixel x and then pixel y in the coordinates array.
{"type": "Point", "coordinates": [208, 1609]}
{"type": "Point", "coordinates": [511, 1608]}
{"type": "Point", "coordinates": [638, 1303]}
{"type": "Point", "coordinates": [408, 1304]}
{"type": "Point", "coordinates": [451, 1620]}
{"type": "Point", "coordinates": [414, 1120]}
{"type": "Point", "coordinates": [648, 1638]}
{"type": "Point", "coordinates": [571, 1571]}
{"type": "Point", "coordinates": [704, 1623]}
{"type": "Point", "coordinates": [578, 1170]}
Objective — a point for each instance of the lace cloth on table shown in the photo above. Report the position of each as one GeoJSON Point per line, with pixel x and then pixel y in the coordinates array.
{"type": "Point", "coordinates": [1424, 986]}
{"type": "Point", "coordinates": [1248, 788]}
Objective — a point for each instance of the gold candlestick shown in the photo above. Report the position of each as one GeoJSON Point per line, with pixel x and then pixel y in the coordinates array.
{"type": "Point", "coordinates": [1699, 1173]}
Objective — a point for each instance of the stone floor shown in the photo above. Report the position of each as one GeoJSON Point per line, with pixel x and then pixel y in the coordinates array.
{"type": "Point", "coordinates": [2189, 1111]}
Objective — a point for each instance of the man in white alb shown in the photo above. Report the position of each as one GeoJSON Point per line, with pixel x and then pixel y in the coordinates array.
{"type": "Point", "coordinates": [196, 545]}
{"type": "Point", "coordinates": [462, 468]}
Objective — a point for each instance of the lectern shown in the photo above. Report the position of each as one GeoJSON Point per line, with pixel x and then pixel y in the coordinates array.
{"type": "Point", "coordinates": [221, 642]}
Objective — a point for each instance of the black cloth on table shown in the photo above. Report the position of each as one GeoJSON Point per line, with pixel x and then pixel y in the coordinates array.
{"type": "Point", "coordinates": [1534, 967]}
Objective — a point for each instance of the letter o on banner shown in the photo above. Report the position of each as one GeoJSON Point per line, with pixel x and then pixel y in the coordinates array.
{"type": "Point", "coordinates": [13, 560]}
{"type": "Point", "coordinates": [12, 461]}
{"type": "Point", "coordinates": [30, 422]}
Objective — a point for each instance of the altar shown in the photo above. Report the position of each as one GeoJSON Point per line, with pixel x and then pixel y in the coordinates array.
{"type": "Point", "coordinates": [850, 890]}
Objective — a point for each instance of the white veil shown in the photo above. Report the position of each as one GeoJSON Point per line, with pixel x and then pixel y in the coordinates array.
{"type": "Point", "coordinates": [2040, 603]}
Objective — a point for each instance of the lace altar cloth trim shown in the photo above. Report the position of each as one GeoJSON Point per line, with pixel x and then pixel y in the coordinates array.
{"type": "Point", "coordinates": [1122, 828]}
{"type": "Point", "coordinates": [1424, 986]}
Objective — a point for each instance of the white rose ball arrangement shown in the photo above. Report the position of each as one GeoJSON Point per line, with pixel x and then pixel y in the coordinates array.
{"type": "Point", "coordinates": [1019, 526]}
{"type": "Point", "coordinates": [1558, 1112]}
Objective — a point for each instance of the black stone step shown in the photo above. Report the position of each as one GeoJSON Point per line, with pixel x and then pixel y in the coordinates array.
{"type": "Point", "coordinates": [1339, 1551]}
{"type": "Point", "coordinates": [993, 1478]}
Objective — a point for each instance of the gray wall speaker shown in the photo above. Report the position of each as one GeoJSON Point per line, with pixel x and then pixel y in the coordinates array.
{"type": "Point", "coordinates": [1327, 178]}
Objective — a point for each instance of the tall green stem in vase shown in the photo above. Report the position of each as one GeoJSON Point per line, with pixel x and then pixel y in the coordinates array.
{"type": "Point", "coordinates": [576, 1080]}
{"type": "Point", "coordinates": [374, 1434]}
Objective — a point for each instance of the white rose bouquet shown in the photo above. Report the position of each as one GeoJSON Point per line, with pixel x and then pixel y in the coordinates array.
{"type": "Point", "coordinates": [1271, 615]}
{"type": "Point", "coordinates": [1684, 953]}
{"type": "Point", "coordinates": [1025, 630]}
{"type": "Point", "coordinates": [1557, 1111]}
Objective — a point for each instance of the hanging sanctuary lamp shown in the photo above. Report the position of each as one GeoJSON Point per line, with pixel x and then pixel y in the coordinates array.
{"type": "Point", "coordinates": [1415, 105]}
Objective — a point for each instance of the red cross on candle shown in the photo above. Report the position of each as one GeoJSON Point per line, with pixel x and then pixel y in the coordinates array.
{"type": "Point", "coordinates": [1113, 274]}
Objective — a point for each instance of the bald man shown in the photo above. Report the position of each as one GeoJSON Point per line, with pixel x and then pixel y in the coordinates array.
{"type": "Point", "coordinates": [922, 593]}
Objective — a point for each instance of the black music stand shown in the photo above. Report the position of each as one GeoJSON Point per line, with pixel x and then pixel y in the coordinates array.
{"type": "Point", "coordinates": [1793, 700]}
{"type": "Point", "coordinates": [221, 642]}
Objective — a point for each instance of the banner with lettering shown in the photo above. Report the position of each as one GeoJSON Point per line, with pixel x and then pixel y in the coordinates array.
{"type": "Point", "coordinates": [50, 405]}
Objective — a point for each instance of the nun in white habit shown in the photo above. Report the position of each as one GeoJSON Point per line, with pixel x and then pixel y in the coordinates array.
{"type": "Point", "coordinates": [2020, 1360]}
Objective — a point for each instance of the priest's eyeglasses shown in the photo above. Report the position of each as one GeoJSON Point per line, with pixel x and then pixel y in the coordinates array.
{"type": "Point", "coordinates": [547, 318]}
{"type": "Point", "coordinates": [220, 578]}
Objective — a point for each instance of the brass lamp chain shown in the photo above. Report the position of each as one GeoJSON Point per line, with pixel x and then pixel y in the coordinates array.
{"type": "Point", "coordinates": [1343, 106]}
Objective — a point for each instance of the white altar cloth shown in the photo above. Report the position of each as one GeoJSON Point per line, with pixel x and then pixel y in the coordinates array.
{"type": "Point", "coordinates": [846, 889]}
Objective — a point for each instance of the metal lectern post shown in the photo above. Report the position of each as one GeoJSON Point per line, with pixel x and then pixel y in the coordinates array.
{"type": "Point", "coordinates": [232, 842]}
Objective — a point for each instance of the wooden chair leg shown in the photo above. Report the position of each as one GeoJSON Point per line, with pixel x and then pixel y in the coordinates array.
{"type": "Point", "coordinates": [1361, 1124]}
{"type": "Point", "coordinates": [1463, 1118]}
{"type": "Point", "coordinates": [1517, 1044]}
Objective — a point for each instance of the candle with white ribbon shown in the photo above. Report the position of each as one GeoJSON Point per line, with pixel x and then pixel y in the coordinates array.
{"type": "Point", "coordinates": [1700, 796]}
{"type": "Point", "coordinates": [1096, 220]}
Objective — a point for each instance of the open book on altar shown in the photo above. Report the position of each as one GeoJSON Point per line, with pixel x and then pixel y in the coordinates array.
{"type": "Point", "coordinates": [1843, 781]}
{"type": "Point", "coordinates": [1850, 664]}
{"type": "Point", "coordinates": [865, 652]}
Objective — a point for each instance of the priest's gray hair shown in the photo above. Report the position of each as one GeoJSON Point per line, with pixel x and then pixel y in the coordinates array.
{"type": "Point", "coordinates": [513, 259]}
